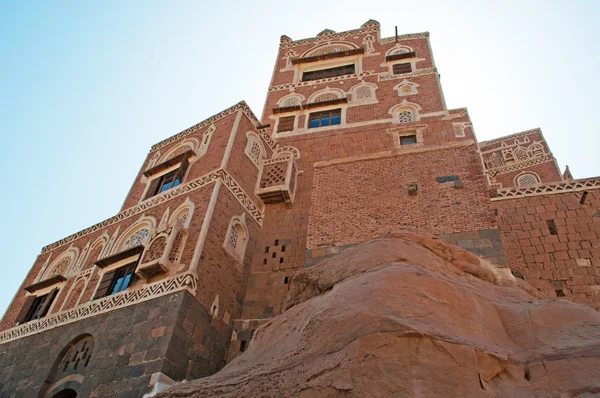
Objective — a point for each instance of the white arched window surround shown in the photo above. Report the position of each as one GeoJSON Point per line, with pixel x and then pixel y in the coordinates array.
{"type": "Point", "coordinates": [526, 179]}
{"type": "Point", "coordinates": [401, 112]}
{"type": "Point", "coordinates": [136, 234]}
{"type": "Point", "coordinates": [363, 93]}
{"type": "Point", "coordinates": [65, 261]}
{"type": "Point", "coordinates": [495, 160]}
{"type": "Point", "coordinates": [190, 144]}
{"type": "Point", "coordinates": [405, 88]}
{"type": "Point", "coordinates": [254, 148]}
{"type": "Point", "coordinates": [327, 91]}
{"type": "Point", "coordinates": [292, 99]}
{"type": "Point", "coordinates": [401, 49]}
{"type": "Point", "coordinates": [236, 239]}
{"type": "Point", "coordinates": [182, 216]}
{"type": "Point", "coordinates": [323, 49]}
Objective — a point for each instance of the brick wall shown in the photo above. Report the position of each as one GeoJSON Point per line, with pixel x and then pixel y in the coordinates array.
{"type": "Point", "coordinates": [358, 201]}
{"type": "Point", "coordinates": [566, 263]}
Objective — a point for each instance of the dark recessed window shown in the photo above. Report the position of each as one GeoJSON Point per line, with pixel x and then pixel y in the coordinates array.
{"type": "Point", "coordinates": [398, 69]}
{"type": "Point", "coordinates": [552, 227]}
{"type": "Point", "coordinates": [40, 306]}
{"type": "Point", "coordinates": [167, 181]}
{"type": "Point", "coordinates": [286, 124]}
{"type": "Point", "coordinates": [408, 140]}
{"type": "Point", "coordinates": [122, 279]}
{"type": "Point", "coordinates": [331, 72]}
{"type": "Point", "coordinates": [325, 118]}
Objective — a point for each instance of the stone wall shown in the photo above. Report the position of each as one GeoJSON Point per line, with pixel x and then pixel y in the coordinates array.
{"type": "Point", "coordinates": [172, 334]}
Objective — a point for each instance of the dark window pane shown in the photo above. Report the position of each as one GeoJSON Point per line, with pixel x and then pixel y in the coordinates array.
{"type": "Point", "coordinates": [330, 72]}
{"type": "Point", "coordinates": [408, 140]}
{"type": "Point", "coordinates": [314, 123]}
{"type": "Point", "coordinates": [336, 120]}
{"type": "Point", "coordinates": [325, 122]}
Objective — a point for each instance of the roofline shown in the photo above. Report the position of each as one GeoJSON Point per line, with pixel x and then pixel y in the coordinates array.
{"type": "Point", "coordinates": [515, 135]}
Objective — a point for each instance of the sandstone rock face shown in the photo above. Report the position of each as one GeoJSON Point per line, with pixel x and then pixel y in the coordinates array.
{"type": "Point", "coordinates": [409, 315]}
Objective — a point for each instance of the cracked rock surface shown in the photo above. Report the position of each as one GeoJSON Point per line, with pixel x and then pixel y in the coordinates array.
{"type": "Point", "coordinates": [409, 315]}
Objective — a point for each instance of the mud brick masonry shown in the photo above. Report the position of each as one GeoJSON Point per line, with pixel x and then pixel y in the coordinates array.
{"type": "Point", "coordinates": [355, 140]}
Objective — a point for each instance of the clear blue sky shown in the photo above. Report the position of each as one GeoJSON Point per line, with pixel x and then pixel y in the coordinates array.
{"type": "Point", "coordinates": [86, 87]}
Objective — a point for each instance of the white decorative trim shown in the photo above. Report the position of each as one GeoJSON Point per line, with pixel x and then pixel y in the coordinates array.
{"type": "Point", "coordinates": [398, 110]}
{"type": "Point", "coordinates": [370, 26]}
{"type": "Point", "coordinates": [332, 46]}
{"type": "Point", "coordinates": [518, 165]}
{"type": "Point", "coordinates": [548, 188]}
{"type": "Point", "coordinates": [190, 144]}
{"type": "Point", "coordinates": [254, 148]}
{"type": "Point", "coordinates": [409, 36]}
{"type": "Point", "coordinates": [71, 254]}
{"type": "Point", "coordinates": [144, 222]}
{"type": "Point", "coordinates": [459, 128]}
{"type": "Point", "coordinates": [356, 95]}
{"type": "Point", "coordinates": [327, 90]}
{"type": "Point", "coordinates": [181, 282]}
{"type": "Point", "coordinates": [405, 88]}
{"type": "Point", "coordinates": [242, 197]}
{"type": "Point", "coordinates": [512, 136]}
{"type": "Point", "coordinates": [524, 174]}
{"type": "Point", "coordinates": [288, 86]}
{"type": "Point", "coordinates": [213, 119]}
{"type": "Point", "coordinates": [291, 99]}
{"type": "Point", "coordinates": [398, 49]}
{"type": "Point", "coordinates": [237, 226]}
{"type": "Point", "coordinates": [382, 77]}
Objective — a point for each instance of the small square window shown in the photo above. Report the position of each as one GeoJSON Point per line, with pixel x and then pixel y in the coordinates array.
{"type": "Point", "coordinates": [408, 140]}
{"type": "Point", "coordinates": [399, 69]}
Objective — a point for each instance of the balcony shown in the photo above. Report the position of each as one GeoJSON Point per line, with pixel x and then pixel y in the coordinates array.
{"type": "Point", "coordinates": [277, 182]}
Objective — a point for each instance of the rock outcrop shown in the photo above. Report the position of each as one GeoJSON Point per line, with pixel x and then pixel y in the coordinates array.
{"type": "Point", "coordinates": [409, 315]}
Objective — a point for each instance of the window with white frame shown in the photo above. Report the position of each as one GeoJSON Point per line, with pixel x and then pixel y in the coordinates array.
{"type": "Point", "coordinates": [527, 179]}
{"type": "Point", "coordinates": [254, 149]}
{"type": "Point", "coordinates": [236, 238]}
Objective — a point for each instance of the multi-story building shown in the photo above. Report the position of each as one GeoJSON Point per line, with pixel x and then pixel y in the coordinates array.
{"type": "Point", "coordinates": [355, 140]}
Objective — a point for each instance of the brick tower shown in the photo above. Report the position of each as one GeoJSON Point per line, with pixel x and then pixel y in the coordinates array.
{"type": "Point", "coordinates": [355, 140]}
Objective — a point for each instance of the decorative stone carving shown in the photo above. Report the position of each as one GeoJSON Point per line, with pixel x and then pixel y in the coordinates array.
{"type": "Point", "coordinates": [229, 182]}
{"type": "Point", "coordinates": [126, 298]}
{"type": "Point", "coordinates": [368, 42]}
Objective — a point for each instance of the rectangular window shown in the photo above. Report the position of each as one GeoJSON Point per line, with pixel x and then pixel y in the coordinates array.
{"type": "Point", "coordinates": [325, 118]}
{"type": "Point", "coordinates": [408, 140]}
{"type": "Point", "coordinates": [122, 279]}
{"type": "Point", "coordinates": [330, 72]}
{"type": "Point", "coordinates": [401, 68]}
{"type": "Point", "coordinates": [286, 124]}
{"type": "Point", "coordinates": [167, 181]}
{"type": "Point", "coordinates": [40, 306]}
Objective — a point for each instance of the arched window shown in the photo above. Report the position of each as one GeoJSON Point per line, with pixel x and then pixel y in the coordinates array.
{"type": "Point", "coordinates": [290, 100]}
{"type": "Point", "coordinates": [406, 88]}
{"type": "Point", "coordinates": [137, 239]}
{"type": "Point", "coordinates": [325, 97]}
{"type": "Point", "coordinates": [254, 149]}
{"type": "Point", "coordinates": [236, 239]}
{"type": "Point", "coordinates": [521, 154]}
{"type": "Point", "coordinates": [363, 93]}
{"type": "Point", "coordinates": [405, 116]}
{"type": "Point", "coordinates": [206, 140]}
{"type": "Point", "coordinates": [536, 150]}
{"type": "Point", "coordinates": [405, 112]}
{"type": "Point", "coordinates": [527, 179]}
{"type": "Point", "coordinates": [496, 160]}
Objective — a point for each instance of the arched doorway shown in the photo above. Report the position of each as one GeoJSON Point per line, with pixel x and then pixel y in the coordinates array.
{"type": "Point", "coordinates": [68, 393]}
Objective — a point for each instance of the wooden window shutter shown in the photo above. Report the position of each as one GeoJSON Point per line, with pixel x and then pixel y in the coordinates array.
{"type": "Point", "coordinates": [48, 302]}
{"type": "Point", "coordinates": [25, 309]}
{"type": "Point", "coordinates": [286, 123]}
{"type": "Point", "coordinates": [152, 188]}
{"type": "Point", "coordinates": [182, 169]}
{"type": "Point", "coordinates": [401, 68]}
{"type": "Point", "coordinates": [105, 284]}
